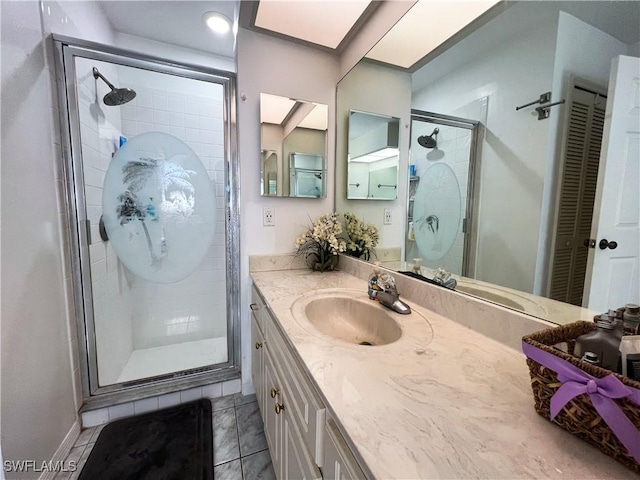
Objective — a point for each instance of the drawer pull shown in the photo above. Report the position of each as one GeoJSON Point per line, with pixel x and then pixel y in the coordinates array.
{"type": "Point", "coordinates": [258, 345]}
{"type": "Point", "coordinates": [279, 408]}
{"type": "Point", "coordinates": [274, 392]}
{"type": "Point", "coordinates": [253, 306]}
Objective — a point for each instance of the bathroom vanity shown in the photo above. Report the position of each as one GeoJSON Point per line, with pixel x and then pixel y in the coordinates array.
{"type": "Point", "coordinates": [443, 401]}
{"type": "Point", "coordinates": [302, 437]}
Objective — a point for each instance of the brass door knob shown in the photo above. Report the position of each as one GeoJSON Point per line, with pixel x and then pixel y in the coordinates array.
{"type": "Point", "coordinates": [274, 392]}
{"type": "Point", "coordinates": [279, 408]}
{"type": "Point", "coordinates": [258, 345]}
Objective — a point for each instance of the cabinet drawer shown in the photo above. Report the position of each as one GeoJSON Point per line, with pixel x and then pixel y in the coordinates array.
{"type": "Point", "coordinates": [339, 463]}
{"type": "Point", "coordinates": [303, 403]}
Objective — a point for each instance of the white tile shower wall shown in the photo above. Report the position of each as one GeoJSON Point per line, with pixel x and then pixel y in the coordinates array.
{"type": "Point", "coordinates": [100, 127]}
{"type": "Point", "coordinates": [194, 308]}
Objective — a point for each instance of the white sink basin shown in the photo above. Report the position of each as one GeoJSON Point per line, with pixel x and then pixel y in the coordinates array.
{"type": "Point", "coordinates": [358, 321]}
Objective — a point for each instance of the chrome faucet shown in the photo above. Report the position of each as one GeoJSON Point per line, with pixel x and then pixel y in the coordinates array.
{"type": "Point", "coordinates": [382, 287]}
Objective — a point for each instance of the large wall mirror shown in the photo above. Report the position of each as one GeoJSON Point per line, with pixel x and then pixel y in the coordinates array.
{"type": "Point", "coordinates": [530, 176]}
{"type": "Point", "coordinates": [373, 161]}
{"type": "Point", "coordinates": [293, 142]}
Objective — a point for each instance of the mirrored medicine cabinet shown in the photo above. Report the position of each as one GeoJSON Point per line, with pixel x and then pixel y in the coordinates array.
{"type": "Point", "coordinates": [293, 147]}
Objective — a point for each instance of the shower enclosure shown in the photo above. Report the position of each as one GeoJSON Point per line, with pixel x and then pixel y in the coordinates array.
{"type": "Point", "coordinates": [439, 221]}
{"type": "Point", "coordinates": [151, 169]}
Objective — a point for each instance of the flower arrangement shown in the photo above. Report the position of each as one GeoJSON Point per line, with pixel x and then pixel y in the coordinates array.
{"type": "Point", "coordinates": [321, 243]}
{"type": "Point", "coordinates": [361, 237]}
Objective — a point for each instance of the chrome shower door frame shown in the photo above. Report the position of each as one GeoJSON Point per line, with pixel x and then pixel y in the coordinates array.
{"type": "Point", "coordinates": [468, 223]}
{"type": "Point", "coordinates": [65, 51]}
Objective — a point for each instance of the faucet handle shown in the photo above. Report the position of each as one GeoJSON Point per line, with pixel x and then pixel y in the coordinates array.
{"type": "Point", "coordinates": [444, 278]}
{"type": "Point", "coordinates": [442, 275]}
{"type": "Point", "coordinates": [387, 283]}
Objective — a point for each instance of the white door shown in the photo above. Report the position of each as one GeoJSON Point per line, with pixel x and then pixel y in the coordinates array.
{"type": "Point", "coordinates": [614, 276]}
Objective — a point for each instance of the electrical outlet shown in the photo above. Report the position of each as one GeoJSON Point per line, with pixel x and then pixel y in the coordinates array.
{"type": "Point", "coordinates": [268, 216]}
{"type": "Point", "coordinates": [387, 216]}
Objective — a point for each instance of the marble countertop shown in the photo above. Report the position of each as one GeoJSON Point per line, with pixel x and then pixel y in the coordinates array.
{"type": "Point", "coordinates": [442, 402]}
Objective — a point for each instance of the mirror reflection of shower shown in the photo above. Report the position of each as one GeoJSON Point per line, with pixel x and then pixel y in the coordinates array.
{"type": "Point", "coordinates": [440, 194]}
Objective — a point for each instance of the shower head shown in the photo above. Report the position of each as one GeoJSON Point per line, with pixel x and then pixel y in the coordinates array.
{"type": "Point", "coordinates": [427, 141]}
{"type": "Point", "coordinates": [117, 96]}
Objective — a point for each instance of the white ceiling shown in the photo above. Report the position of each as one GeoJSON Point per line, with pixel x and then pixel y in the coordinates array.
{"type": "Point", "coordinates": [174, 22]}
{"type": "Point", "coordinates": [326, 22]}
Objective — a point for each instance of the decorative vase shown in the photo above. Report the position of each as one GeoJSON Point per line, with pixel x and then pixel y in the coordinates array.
{"type": "Point", "coordinates": [322, 261]}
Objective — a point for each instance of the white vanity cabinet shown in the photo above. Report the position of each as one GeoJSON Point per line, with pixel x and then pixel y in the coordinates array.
{"type": "Point", "coordinates": [258, 347]}
{"type": "Point", "coordinates": [299, 437]}
{"type": "Point", "coordinates": [339, 463]}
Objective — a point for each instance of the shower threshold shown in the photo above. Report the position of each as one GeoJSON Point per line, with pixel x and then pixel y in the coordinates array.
{"type": "Point", "coordinates": [154, 361]}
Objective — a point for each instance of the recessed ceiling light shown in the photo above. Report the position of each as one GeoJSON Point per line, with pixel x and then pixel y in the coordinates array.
{"type": "Point", "coordinates": [217, 22]}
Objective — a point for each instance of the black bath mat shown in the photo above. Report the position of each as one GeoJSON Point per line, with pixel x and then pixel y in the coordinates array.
{"type": "Point", "coordinates": [171, 444]}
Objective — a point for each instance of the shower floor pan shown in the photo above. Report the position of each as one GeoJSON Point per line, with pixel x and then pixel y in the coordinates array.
{"type": "Point", "coordinates": [150, 362]}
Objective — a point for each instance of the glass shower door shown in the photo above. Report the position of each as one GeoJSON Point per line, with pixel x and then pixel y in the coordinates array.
{"type": "Point", "coordinates": [151, 191]}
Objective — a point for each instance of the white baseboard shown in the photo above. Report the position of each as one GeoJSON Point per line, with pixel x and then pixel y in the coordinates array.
{"type": "Point", "coordinates": [63, 450]}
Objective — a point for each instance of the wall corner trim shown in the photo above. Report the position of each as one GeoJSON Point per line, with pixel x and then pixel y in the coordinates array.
{"type": "Point", "coordinates": [63, 450]}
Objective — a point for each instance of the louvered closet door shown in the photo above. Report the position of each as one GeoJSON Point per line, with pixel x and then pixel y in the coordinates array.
{"type": "Point", "coordinates": [577, 194]}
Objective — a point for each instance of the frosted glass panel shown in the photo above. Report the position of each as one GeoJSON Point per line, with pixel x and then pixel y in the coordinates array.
{"type": "Point", "coordinates": [436, 213]}
{"type": "Point", "coordinates": [158, 207]}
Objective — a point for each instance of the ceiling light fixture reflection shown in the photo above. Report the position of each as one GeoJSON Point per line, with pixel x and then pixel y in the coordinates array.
{"type": "Point", "coordinates": [217, 22]}
{"type": "Point", "coordinates": [376, 156]}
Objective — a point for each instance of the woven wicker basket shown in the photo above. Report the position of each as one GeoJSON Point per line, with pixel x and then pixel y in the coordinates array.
{"type": "Point", "coordinates": [579, 415]}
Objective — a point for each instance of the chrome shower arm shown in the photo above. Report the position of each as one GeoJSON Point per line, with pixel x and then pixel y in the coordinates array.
{"type": "Point", "coordinates": [97, 74]}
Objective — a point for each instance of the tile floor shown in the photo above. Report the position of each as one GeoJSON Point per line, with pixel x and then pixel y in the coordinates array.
{"type": "Point", "coordinates": [239, 445]}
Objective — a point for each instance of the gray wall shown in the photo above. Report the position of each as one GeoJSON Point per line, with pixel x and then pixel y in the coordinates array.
{"type": "Point", "coordinates": [295, 71]}
{"type": "Point", "coordinates": [40, 387]}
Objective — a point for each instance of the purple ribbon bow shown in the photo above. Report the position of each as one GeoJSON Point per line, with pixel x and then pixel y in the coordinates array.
{"type": "Point", "coordinates": [602, 391]}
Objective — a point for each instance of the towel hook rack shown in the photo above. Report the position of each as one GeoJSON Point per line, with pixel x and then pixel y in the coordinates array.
{"type": "Point", "coordinates": [544, 98]}
{"type": "Point", "coordinates": [543, 110]}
